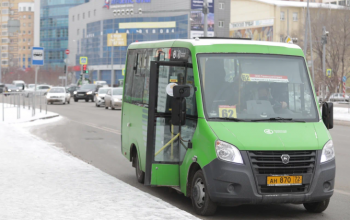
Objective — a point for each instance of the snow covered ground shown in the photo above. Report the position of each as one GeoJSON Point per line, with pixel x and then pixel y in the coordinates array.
{"type": "Point", "coordinates": [11, 113]}
{"type": "Point", "coordinates": [40, 181]}
{"type": "Point", "coordinates": [341, 114]}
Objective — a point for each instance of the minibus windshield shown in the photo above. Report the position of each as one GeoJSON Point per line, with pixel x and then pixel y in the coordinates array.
{"type": "Point", "coordinates": [256, 87]}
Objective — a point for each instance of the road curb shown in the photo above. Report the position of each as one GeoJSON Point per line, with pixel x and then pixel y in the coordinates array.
{"type": "Point", "coordinates": [45, 118]}
{"type": "Point", "coordinates": [343, 123]}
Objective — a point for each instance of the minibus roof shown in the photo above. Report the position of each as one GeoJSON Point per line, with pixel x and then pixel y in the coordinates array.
{"type": "Point", "coordinates": [217, 45]}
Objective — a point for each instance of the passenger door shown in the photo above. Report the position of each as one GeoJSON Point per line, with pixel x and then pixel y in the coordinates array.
{"type": "Point", "coordinates": [164, 151]}
{"type": "Point", "coordinates": [108, 97]}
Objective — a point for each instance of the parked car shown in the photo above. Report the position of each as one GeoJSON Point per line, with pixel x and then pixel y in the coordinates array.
{"type": "Point", "coordinates": [21, 85]}
{"type": "Point", "coordinates": [10, 88]}
{"type": "Point", "coordinates": [86, 92]}
{"type": "Point", "coordinates": [114, 98]}
{"type": "Point", "coordinates": [30, 86]}
{"type": "Point", "coordinates": [100, 96]}
{"type": "Point", "coordinates": [40, 90]}
{"type": "Point", "coordinates": [338, 97]}
{"type": "Point", "coordinates": [58, 95]}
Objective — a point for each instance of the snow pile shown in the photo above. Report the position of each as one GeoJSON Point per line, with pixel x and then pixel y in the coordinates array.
{"type": "Point", "coordinates": [341, 114]}
{"type": "Point", "coordinates": [26, 115]}
{"type": "Point", "coordinates": [39, 181]}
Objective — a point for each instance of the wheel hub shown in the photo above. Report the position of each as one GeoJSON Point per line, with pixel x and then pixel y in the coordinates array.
{"type": "Point", "coordinates": [199, 193]}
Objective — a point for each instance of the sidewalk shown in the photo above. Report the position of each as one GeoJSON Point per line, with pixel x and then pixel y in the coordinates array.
{"type": "Point", "coordinates": [40, 181]}
{"type": "Point", "coordinates": [341, 114]}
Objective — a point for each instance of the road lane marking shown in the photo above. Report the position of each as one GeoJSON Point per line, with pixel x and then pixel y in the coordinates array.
{"type": "Point", "coordinates": [100, 128]}
{"type": "Point", "coordinates": [342, 192]}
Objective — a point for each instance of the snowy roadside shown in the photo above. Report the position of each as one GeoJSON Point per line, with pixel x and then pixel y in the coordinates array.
{"type": "Point", "coordinates": [12, 113]}
{"type": "Point", "coordinates": [341, 114]}
{"type": "Point", "coordinates": [40, 181]}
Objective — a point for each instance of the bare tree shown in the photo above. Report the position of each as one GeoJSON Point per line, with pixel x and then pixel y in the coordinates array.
{"type": "Point", "coordinates": [337, 48]}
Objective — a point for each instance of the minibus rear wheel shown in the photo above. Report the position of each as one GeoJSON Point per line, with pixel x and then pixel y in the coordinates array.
{"type": "Point", "coordinates": [201, 201]}
{"type": "Point", "coordinates": [317, 207]}
{"type": "Point", "coordinates": [140, 175]}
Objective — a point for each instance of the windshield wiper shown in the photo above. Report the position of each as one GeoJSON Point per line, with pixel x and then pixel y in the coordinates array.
{"type": "Point", "coordinates": [229, 119]}
{"type": "Point", "coordinates": [277, 119]}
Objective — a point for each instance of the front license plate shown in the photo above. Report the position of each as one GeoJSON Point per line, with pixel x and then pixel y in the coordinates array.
{"type": "Point", "coordinates": [81, 94]}
{"type": "Point", "coordinates": [284, 180]}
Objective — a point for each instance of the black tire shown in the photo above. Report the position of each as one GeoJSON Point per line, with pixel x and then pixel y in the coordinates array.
{"type": "Point", "coordinates": [93, 99]}
{"type": "Point", "coordinates": [140, 175]}
{"type": "Point", "coordinates": [201, 202]}
{"type": "Point", "coordinates": [69, 102]}
{"type": "Point", "coordinates": [317, 207]}
{"type": "Point", "coordinates": [97, 105]}
{"type": "Point", "coordinates": [86, 100]}
{"type": "Point", "coordinates": [75, 100]}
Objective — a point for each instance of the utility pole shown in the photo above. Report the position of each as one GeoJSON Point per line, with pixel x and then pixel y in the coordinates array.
{"type": "Point", "coordinates": [324, 42]}
{"type": "Point", "coordinates": [311, 49]}
{"type": "Point", "coordinates": [205, 12]}
{"type": "Point", "coordinates": [112, 69]}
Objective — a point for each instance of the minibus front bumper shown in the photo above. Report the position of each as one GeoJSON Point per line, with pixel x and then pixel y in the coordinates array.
{"type": "Point", "coordinates": [234, 184]}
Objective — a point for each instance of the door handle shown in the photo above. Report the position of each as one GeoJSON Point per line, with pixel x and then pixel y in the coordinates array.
{"type": "Point", "coordinates": [128, 124]}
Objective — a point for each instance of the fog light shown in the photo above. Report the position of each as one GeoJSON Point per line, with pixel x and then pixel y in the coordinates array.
{"type": "Point", "coordinates": [327, 185]}
{"type": "Point", "coordinates": [231, 188]}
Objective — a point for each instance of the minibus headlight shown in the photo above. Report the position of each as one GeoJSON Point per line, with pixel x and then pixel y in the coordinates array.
{"type": "Point", "coordinates": [75, 92]}
{"type": "Point", "coordinates": [89, 93]}
{"type": "Point", "coordinates": [328, 152]}
{"type": "Point", "coordinates": [228, 152]}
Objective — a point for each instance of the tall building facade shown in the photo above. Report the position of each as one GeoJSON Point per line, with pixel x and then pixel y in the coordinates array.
{"type": "Point", "coordinates": [26, 34]}
{"type": "Point", "coordinates": [12, 43]}
{"type": "Point", "coordinates": [54, 29]}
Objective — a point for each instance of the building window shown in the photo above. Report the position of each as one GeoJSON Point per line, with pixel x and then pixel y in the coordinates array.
{"type": "Point", "coordinates": [89, 14]}
{"type": "Point", "coordinates": [295, 16]}
{"type": "Point", "coordinates": [29, 24]}
{"type": "Point", "coordinates": [281, 38]}
{"type": "Point", "coordinates": [78, 17]}
{"type": "Point", "coordinates": [5, 4]}
{"type": "Point", "coordinates": [4, 33]}
{"type": "Point", "coordinates": [24, 47]}
{"type": "Point", "coordinates": [3, 48]}
{"type": "Point", "coordinates": [73, 18]}
{"type": "Point", "coordinates": [29, 8]}
{"type": "Point", "coordinates": [24, 24]}
{"type": "Point", "coordinates": [24, 40]}
{"type": "Point", "coordinates": [24, 32]}
{"type": "Point", "coordinates": [29, 32]}
{"type": "Point", "coordinates": [4, 11]}
{"type": "Point", "coordinates": [4, 40]}
{"type": "Point", "coordinates": [221, 23]}
{"type": "Point", "coordinates": [24, 16]}
{"type": "Point", "coordinates": [28, 47]}
{"type": "Point", "coordinates": [29, 17]}
{"type": "Point", "coordinates": [4, 62]}
{"type": "Point", "coordinates": [29, 39]}
{"type": "Point", "coordinates": [4, 55]}
{"type": "Point", "coordinates": [83, 15]}
{"type": "Point", "coordinates": [24, 8]}
{"type": "Point", "coordinates": [282, 15]}
{"type": "Point", "coordinates": [95, 12]}
{"type": "Point", "coordinates": [221, 5]}
{"type": "Point", "coordinates": [78, 31]}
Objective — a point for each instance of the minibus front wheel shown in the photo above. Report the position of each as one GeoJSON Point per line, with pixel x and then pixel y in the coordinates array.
{"type": "Point", "coordinates": [201, 201]}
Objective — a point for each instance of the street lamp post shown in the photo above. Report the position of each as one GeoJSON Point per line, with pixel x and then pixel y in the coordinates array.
{"type": "Point", "coordinates": [324, 42]}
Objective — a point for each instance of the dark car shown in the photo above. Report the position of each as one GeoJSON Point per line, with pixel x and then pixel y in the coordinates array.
{"type": "Point", "coordinates": [2, 88]}
{"type": "Point", "coordinates": [71, 89]}
{"type": "Point", "coordinates": [86, 92]}
{"type": "Point", "coordinates": [9, 88]}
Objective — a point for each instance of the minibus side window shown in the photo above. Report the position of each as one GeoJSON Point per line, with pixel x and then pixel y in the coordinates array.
{"type": "Point", "coordinates": [139, 78]}
{"type": "Point", "coordinates": [129, 75]}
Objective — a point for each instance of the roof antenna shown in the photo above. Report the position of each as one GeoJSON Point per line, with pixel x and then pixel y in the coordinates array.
{"type": "Point", "coordinates": [197, 39]}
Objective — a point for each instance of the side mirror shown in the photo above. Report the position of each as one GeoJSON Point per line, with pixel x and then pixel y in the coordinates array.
{"type": "Point", "coordinates": [178, 110]}
{"type": "Point", "coordinates": [181, 91]}
{"type": "Point", "coordinates": [327, 114]}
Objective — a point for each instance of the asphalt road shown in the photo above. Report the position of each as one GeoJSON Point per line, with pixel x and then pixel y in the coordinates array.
{"type": "Point", "coordinates": [93, 135]}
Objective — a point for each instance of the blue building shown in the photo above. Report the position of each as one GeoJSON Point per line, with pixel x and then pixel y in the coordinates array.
{"type": "Point", "coordinates": [54, 29]}
{"type": "Point", "coordinates": [90, 24]}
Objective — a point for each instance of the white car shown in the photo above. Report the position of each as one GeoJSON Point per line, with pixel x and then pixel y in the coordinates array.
{"type": "Point", "coordinates": [100, 96]}
{"type": "Point", "coordinates": [40, 90]}
{"type": "Point", "coordinates": [58, 95]}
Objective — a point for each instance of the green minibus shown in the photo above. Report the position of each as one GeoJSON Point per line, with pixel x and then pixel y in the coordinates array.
{"type": "Point", "coordinates": [227, 122]}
